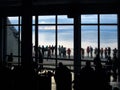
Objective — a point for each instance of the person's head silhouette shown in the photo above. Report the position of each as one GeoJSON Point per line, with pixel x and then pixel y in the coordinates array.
{"type": "Point", "coordinates": [60, 64]}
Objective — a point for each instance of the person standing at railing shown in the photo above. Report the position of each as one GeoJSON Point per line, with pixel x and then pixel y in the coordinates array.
{"type": "Point", "coordinates": [101, 52]}
{"type": "Point", "coordinates": [109, 51]}
{"type": "Point", "coordinates": [59, 50]}
{"type": "Point", "coordinates": [96, 51]}
{"type": "Point", "coordinates": [68, 52]}
{"type": "Point", "coordinates": [114, 52]}
{"type": "Point", "coordinates": [52, 49]}
{"type": "Point", "coordinates": [10, 59]}
{"type": "Point", "coordinates": [91, 51]}
{"type": "Point", "coordinates": [109, 67]}
{"type": "Point", "coordinates": [82, 52]}
{"type": "Point", "coordinates": [64, 52]}
{"type": "Point", "coordinates": [115, 67]}
{"type": "Point", "coordinates": [49, 52]}
{"type": "Point", "coordinates": [105, 52]}
{"type": "Point", "coordinates": [43, 49]}
{"type": "Point", "coordinates": [40, 60]}
{"type": "Point", "coordinates": [88, 51]}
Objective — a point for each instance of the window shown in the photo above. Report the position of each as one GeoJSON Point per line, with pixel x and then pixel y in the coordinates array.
{"type": "Point", "coordinates": [108, 32]}
{"type": "Point", "coordinates": [14, 37]}
{"type": "Point", "coordinates": [53, 30]}
{"type": "Point", "coordinates": [98, 31]}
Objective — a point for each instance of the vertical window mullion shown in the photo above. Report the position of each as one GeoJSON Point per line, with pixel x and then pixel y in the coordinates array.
{"type": "Point", "coordinates": [19, 40]}
{"type": "Point", "coordinates": [98, 34]}
{"type": "Point", "coordinates": [36, 38]}
{"type": "Point", "coordinates": [56, 38]}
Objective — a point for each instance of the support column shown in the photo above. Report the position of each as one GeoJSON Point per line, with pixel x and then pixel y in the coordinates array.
{"type": "Point", "coordinates": [1, 41]}
{"type": "Point", "coordinates": [26, 46]}
{"type": "Point", "coordinates": [99, 35]}
{"type": "Point", "coordinates": [36, 38]}
{"type": "Point", "coordinates": [119, 46]}
{"type": "Point", "coordinates": [77, 47]}
{"type": "Point", "coordinates": [4, 38]}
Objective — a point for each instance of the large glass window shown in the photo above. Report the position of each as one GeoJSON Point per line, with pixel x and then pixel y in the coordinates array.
{"type": "Point", "coordinates": [58, 30]}
{"type": "Point", "coordinates": [44, 35]}
{"type": "Point", "coordinates": [13, 39]}
{"type": "Point", "coordinates": [108, 34]}
{"type": "Point", "coordinates": [65, 39]}
{"type": "Point", "coordinates": [89, 35]}
{"type": "Point", "coordinates": [53, 31]}
{"type": "Point", "coordinates": [55, 37]}
{"type": "Point", "coordinates": [98, 31]}
{"type": "Point", "coordinates": [46, 41]}
{"type": "Point", "coordinates": [89, 39]}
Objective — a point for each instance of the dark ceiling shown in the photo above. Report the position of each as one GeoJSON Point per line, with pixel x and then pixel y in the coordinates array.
{"type": "Point", "coordinates": [6, 3]}
{"type": "Point", "coordinates": [61, 6]}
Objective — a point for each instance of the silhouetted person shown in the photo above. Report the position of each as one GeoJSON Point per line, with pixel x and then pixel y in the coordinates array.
{"type": "Point", "coordinates": [59, 50]}
{"type": "Point", "coordinates": [88, 50]}
{"type": "Point", "coordinates": [109, 51]}
{"type": "Point", "coordinates": [49, 52]}
{"type": "Point", "coordinates": [40, 60]}
{"type": "Point", "coordinates": [97, 59]}
{"type": "Point", "coordinates": [86, 78]}
{"type": "Point", "coordinates": [68, 52]}
{"type": "Point", "coordinates": [52, 48]}
{"type": "Point", "coordinates": [116, 88]}
{"type": "Point", "coordinates": [64, 52]}
{"type": "Point", "coordinates": [114, 52]}
{"type": "Point", "coordinates": [101, 82]}
{"type": "Point", "coordinates": [109, 67]}
{"type": "Point", "coordinates": [101, 52]}
{"type": "Point", "coordinates": [91, 51]}
{"type": "Point", "coordinates": [96, 51]}
{"type": "Point", "coordinates": [105, 52]}
{"type": "Point", "coordinates": [43, 49]}
{"type": "Point", "coordinates": [63, 77]}
{"type": "Point", "coordinates": [10, 59]}
{"type": "Point", "coordinates": [82, 52]}
{"type": "Point", "coordinates": [115, 67]}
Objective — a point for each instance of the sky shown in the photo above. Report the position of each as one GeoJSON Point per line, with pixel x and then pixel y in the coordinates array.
{"type": "Point", "coordinates": [89, 33]}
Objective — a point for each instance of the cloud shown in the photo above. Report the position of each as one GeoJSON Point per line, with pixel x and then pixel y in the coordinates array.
{"type": "Point", "coordinates": [46, 28]}
{"type": "Point", "coordinates": [63, 27]}
{"type": "Point", "coordinates": [108, 18]}
{"type": "Point", "coordinates": [46, 17]}
{"type": "Point", "coordinates": [13, 18]}
{"type": "Point", "coordinates": [89, 18]}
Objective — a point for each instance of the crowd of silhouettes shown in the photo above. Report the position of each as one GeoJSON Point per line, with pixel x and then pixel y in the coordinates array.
{"type": "Point", "coordinates": [63, 52]}
{"type": "Point", "coordinates": [49, 51]}
{"type": "Point", "coordinates": [104, 52]}
{"type": "Point", "coordinates": [96, 76]}
{"type": "Point", "coordinates": [91, 76]}
{"type": "Point", "coordinates": [17, 77]}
